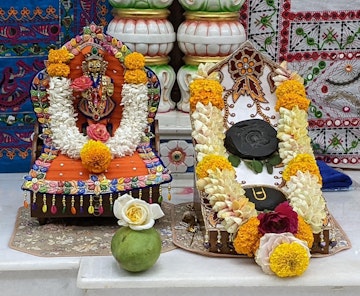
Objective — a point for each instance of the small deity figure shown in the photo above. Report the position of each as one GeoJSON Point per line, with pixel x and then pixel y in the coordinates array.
{"type": "Point", "coordinates": [96, 89]}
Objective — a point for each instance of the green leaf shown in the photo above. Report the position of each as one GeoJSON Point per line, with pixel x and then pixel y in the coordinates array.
{"type": "Point", "coordinates": [257, 165]}
{"type": "Point", "coordinates": [269, 168]}
{"type": "Point", "coordinates": [234, 160]}
{"type": "Point", "coordinates": [275, 159]}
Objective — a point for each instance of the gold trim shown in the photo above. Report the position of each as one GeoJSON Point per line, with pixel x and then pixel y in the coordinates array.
{"type": "Point", "coordinates": [211, 16]}
{"type": "Point", "coordinates": [196, 60]}
{"type": "Point", "coordinates": [151, 61]}
{"type": "Point", "coordinates": [140, 13]}
{"type": "Point", "coordinates": [259, 195]}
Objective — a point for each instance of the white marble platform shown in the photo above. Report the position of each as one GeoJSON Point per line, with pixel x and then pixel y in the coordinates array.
{"type": "Point", "coordinates": [177, 272]}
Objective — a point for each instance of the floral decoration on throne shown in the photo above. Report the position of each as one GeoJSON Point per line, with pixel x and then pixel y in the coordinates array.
{"type": "Point", "coordinates": [96, 104]}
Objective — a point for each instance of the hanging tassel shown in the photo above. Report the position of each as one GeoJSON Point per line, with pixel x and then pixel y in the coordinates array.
{"type": "Point", "coordinates": [53, 208]}
{"type": "Point", "coordinates": [81, 204]}
{"type": "Point", "coordinates": [169, 192]}
{"type": "Point", "coordinates": [101, 208]}
{"type": "Point", "coordinates": [160, 198]}
{"type": "Point", "coordinates": [91, 207]}
{"type": "Point", "coordinates": [44, 207]}
{"type": "Point", "coordinates": [63, 205]}
{"type": "Point", "coordinates": [111, 202]}
{"type": "Point", "coordinates": [26, 204]}
{"type": "Point", "coordinates": [150, 195]}
{"type": "Point", "coordinates": [34, 205]}
{"type": "Point", "coordinates": [73, 209]}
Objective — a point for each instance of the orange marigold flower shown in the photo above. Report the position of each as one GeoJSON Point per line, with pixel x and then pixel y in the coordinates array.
{"type": "Point", "coordinates": [134, 60]}
{"type": "Point", "coordinates": [305, 232]}
{"type": "Point", "coordinates": [135, 76]}
{"type": "Point", "coordinates": [95, 156]}
{"type": "Point", "coordinates": [247, 239]}
{"type": "Point", "coordinates": [291, 100]}
{"type": "Point", "coordinates": [302, 162]}
{"type": "Point", "coordinates": [58, 56]}
{"type": "Point", "coordinates": [290, 86]}
{"type": "Point", "coordinates": [58, 69]}
{"type": "Point", "coordinates": [206, 91]}
{"type": "Point", "coordinates": [212, 162]}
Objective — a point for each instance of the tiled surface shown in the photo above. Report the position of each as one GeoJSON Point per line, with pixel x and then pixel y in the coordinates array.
{"type": "Point", "coordinates": [177, 272]}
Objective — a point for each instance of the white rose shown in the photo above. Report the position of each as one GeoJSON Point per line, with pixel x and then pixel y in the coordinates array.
{"type": "Point", "coordinates": [136, 213]}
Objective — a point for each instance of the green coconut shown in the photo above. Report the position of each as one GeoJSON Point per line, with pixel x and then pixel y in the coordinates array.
{"type": "Point", "coordinates": [136, 250]}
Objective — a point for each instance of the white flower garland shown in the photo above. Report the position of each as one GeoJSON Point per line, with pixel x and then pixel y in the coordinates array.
{"type": "Point", "coordinates": [66, 136]}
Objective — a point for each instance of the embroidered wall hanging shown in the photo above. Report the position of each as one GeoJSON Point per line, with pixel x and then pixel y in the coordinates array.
{"type": "Point", "coordinates": [28, 29]}
{"type": "Point", "coordinates": [321, 41]}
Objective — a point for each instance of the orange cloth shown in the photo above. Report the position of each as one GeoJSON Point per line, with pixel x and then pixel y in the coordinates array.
{"type": "Point", "coordinates": [64, 168]}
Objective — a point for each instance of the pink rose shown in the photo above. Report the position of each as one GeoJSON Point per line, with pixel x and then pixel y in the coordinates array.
{"type": "Point", "coordinates": [81, 83]}
{"type": "Point", "coordinates": [282, 219]}
{"type": "Point", "coordinates": [98, 132]}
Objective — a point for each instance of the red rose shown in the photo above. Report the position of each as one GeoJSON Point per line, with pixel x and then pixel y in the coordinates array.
{"type": "Point", "coordinates": [282, 219]}
{"type": "Point", "coordinates": [81, 83]}
{"type": "Point", "coordinates": [98, 132]}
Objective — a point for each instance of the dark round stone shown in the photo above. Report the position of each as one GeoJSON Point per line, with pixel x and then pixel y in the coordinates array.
{"type": "Point", "coordinates": [251, 139]}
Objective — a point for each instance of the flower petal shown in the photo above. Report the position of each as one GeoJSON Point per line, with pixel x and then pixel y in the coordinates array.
{"type": "Point", "coordinates": [156, 211]}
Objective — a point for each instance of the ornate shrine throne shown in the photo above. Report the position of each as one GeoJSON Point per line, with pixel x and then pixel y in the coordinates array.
{"type": "Point", "coordinates": [95, 138]}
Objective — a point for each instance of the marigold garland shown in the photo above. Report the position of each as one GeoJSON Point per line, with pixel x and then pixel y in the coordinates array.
{"type": "Point", "coordinates": [95, 156]}
{"type": "Point", "coordinates": [58, 56]}
{"type": "Point", "coordinates": [206, 91]}
{"type": "Point", "coordinates": [302, 162]}
{"type": "Point", "coordinates": [212, 162]}
{"type": "Point", "coordinates": [247, 239]}
{"type": "Point", "coordinates": [134, 60]}
{"type": "Point", "coordinates": [292, 100]}
{"type": "Point", "coordinates": [289, 259]}
{"type": "Point", "coordinates": [58, 69]}
{"type": "Point", "coordinates": [290, 86]}
{"type": "Point", "coordinates": [136, 76]}
{"type": "Point", "coordinates": [304, 232]}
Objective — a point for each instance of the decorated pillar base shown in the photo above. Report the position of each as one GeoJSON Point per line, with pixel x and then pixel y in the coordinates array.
{"type": "Point", "coordinates": [149, 32]}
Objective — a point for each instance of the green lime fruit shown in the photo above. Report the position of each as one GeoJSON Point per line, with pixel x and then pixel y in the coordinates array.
{"type": "Point", "coordinates": [136, 250]}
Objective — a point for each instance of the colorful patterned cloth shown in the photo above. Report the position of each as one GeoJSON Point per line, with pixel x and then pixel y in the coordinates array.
{"type": "Point", "coordinates": [27, 30]}
{"type": "Point", "coordinates": [321, 41]}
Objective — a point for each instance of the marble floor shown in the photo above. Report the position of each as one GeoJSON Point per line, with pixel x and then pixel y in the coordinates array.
{"type": "Point", "coordinates": [177, 272]}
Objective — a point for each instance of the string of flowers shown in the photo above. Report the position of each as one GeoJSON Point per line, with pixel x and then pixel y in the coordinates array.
{"type": "Point", "coordinates": [215, 174]}
{"type": "Point", "coordinates": [65, 134]}
{"type": "Point", "coordinates": [301, 173]}
{"type": "Point", "coordinates": [279, 240]}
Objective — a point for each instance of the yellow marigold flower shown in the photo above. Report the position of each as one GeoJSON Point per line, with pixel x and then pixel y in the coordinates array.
{"type": "Point", "coordinates": [95, 156]}
{"type": "Point", "coordinates": [304, 232]}
{"type": "Point", "coordinates": [212, 162]}
{"type": "Point", "coordinates": [134, 60]}
{"type": "Point", "coordinates": [289, 259]}
{"type": "Point", "coordinates": [290, 86]}
{"type": "Point", "coordinates": [58, 69]}
{"type": "Point", "coordinates": [302, 162]}
{"type": "Point", "coordinates": [247, 239]}
{"type": "Point", "coordinates": [206, 91]}
{"type": "Point", "coordinates": [135, 76]}
{"type": "Point", "coordinates": [291, 100]}
{"type": "Point", "coordinates": [58, 56]}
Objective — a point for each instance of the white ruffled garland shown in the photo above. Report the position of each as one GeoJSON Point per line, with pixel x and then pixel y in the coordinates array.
{"type": "Point", "coordinates": [66, 136]}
